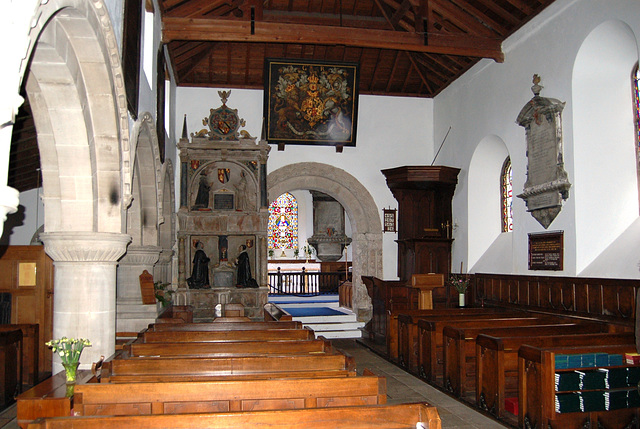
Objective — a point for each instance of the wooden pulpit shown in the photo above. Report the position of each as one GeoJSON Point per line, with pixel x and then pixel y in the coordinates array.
{"type": "Point", "coordinates": [426, 283]}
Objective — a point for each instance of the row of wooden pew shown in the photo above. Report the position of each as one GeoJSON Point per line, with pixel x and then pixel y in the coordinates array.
{"type": "Point", "coordinates": [488, 357]}
{"type": "Point", "coordinates": [234, 373]}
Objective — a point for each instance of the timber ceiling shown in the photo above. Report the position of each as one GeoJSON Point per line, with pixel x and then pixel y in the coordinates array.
{"type": "Point", "coordinates": [404, 47]}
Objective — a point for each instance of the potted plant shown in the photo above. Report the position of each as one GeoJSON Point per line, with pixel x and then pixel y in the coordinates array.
{"type": "Point", "coordinates": [271, 253]}
{"type": "Point", "coordinates": [296, 252]}
{"type": "Point", "coordinates": [460, 282]}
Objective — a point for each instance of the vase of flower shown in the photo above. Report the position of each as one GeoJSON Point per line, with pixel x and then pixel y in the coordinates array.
{"type": "Point", "coordinates": [460, 283]}
{"type": "Point", "coordinates": [69, 350]}
{"type": "Point", "coordinates": [71, 371]}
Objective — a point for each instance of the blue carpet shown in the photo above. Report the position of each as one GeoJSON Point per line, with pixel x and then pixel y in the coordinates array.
{"type": "Point", "coordinates": [313, 311]}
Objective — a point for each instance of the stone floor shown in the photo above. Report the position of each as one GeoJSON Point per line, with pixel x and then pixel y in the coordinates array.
{"type": "Point", "coordinates": [401, 388]}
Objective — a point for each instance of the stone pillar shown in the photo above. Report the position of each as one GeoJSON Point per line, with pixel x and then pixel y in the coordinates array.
{"type": "Point", "coordinates": [84, 299]}
{"type": "Point", "coordinates": [133, 315]}
{"type": "Point", "coordinates": [133, 263]}
{"type": "Point", "coordinates": [162, 269]}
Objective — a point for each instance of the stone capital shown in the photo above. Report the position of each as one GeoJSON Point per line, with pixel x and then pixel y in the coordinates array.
{"type": "Point", "coordinates": [141, 255]}
{"type": "Point", "coordinates": [74, 246]}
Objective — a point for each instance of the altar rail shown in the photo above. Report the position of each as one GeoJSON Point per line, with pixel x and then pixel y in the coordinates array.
{"type": "Point", "coordinates": [305, 283]}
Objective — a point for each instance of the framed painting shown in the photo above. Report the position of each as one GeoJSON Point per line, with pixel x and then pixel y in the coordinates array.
{"type": "Point", "coordinates": [310, 103]}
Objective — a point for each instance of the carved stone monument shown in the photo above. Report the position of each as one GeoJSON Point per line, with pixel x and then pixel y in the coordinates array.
{"type": "Point", "coordinates": [547, 182]}
{"type": "Point", "coordinates": [328, 237]}
{"type": "Point", "coordinates": [223, 208]}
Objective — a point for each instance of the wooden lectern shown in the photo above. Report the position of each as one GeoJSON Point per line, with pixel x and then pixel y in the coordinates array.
{"type": "Point", "coordinates": [426, 283]}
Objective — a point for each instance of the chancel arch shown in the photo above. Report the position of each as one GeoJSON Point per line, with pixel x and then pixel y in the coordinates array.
{"type": "Point", "coordinates": [604, 139]}
{"type": "Point", "coordinates": [485, 205]}
{"type": "Point", "coordinates": [359, 207]}
{"type": "Point", "coordinates": [73, 81]}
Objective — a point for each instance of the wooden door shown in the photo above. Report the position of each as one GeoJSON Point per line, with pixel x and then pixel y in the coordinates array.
{"type": "Point", "coordinates": [27, 274]}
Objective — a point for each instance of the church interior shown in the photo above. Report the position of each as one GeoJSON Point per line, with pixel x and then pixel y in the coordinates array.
{"type": "Point", "coordinates": [339, 213]}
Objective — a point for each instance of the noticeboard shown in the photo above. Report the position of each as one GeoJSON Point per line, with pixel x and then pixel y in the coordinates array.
{"type": "Point", "coordinates": [546, 251]}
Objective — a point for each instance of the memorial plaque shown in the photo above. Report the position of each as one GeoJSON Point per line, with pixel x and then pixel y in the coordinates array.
{"type": "Point", "coordinates": [223, 201]}
{"type": "Point", "coordinates": [546, 251]}
{"type": "Point", "coordinates": [547, 182]}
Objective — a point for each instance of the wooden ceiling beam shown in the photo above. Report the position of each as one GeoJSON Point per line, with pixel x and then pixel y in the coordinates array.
{"type": "Point", "coordinates": [268, 32]}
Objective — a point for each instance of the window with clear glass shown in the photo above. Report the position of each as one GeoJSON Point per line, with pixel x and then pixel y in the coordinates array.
{"type": "Point", "coordinates": [283, 222]}
{"type": "Point", "coordinates": [507, 196]}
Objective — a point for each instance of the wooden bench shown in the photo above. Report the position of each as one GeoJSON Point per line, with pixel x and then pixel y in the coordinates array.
{"type": "Point", "coordinates": [153, 369]}
{"type": "Point", "coordinates": [392, 322]}
{"type": "Point", "coordinates": [459, 348]}
{"type": "Point", "coordinates": [233, 395]}
{"type": "Point", "coordinates": [176, 314]}
{"type": "Point", "coordinates": [408, 332]}
{"type": "Point", "coordinates": [235, 348]}
{"type": "Point", "coordinates": [274, 313]}
{"type": "Point", "coordinates": [224, 326]}
{"type": "Point", "coordinates": [225, 336]}
{"type": "Point", "coordinates": [430, 345]}
{"type": "Point", "coordinates": [49, 398]}
{"type": "Point", "coordinates": [381, 416]}
{"type": "Point", "coordinates": [536, 391]}
{"type": "Point", "coordinates": [497, 360]}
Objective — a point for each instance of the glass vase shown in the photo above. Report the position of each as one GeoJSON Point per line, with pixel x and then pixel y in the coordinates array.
{"type": "Point", "coordinates": [71, 371]}
{"type": "Point", "coordinates": [461, 299]}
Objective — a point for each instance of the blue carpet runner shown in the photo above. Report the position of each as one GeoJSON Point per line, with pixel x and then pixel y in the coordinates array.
{"type": "Point", "coordinates": [312, 311]}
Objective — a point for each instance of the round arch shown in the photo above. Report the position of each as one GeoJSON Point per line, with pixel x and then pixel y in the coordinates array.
{"type": "Point", "coordinates": [359, 206]}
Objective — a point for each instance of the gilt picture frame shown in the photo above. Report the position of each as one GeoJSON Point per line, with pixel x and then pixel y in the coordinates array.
{"type": "Point", "coordinates": [310, 102]}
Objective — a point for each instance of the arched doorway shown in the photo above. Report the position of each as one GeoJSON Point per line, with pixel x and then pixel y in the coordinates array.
{"type": "Point", "coordinates": [359, 206]}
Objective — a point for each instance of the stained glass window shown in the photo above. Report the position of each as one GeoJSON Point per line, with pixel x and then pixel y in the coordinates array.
{"type": "Point", "coordinates": [636, 104]}
{"type": "Point", "coordinates": [507, 196]}
{"type": "Point", "coordinates": [283, 222]}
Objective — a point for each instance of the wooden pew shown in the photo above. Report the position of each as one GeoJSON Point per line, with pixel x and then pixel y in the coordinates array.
{"type": "Point", "coordinates": [497, 360]}
{"type": "Point", "coordinates": [176, 314]}
{"type": "Point", "coordinates": [408, 332]}
{"type": "Point", "coordinates": [225, 336]}
{"type": "Point", "coordinates": [381, 416]}
{"type": "Point", "coordinates": [224, 326]}
{"type": "Point", "coordinates": [536, 391]}
{"type": "Point", "coordinates": [429, 354]}
{"type": "Point", "coordinates": [459, 348]}
{"type": "Point", "coordinates": [235, 348]}
{"type": "Point", "coordinates": [233, 395]}
{"type": "Point", "coordinates": [274, 313]}
{"type": "Point", "coordinates": [392, 322]}
{"type": "Point", "coordinates": [49, 398]}
{"type": "Point", "coordinates": [154, 369]}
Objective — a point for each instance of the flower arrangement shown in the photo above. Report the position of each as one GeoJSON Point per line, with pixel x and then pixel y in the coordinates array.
{"type": "Point", "coordinates": [163, 293]}
{"type": "Point", "coordinates": [459, 281]}
{"type": "Point", "coordinates": [69, 349]}
{"type": "Point", "coordinates": [308, 251]}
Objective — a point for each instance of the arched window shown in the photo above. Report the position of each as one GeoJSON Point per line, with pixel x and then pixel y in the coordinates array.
{"type": "Point", "coordinates": [636, 110]}
{"type": "Point", "coordinates": [506, 199]}
{"type": "Point", "coordinates": [283, 222]}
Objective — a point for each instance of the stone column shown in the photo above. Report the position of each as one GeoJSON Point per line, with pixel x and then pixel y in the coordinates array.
{"type": "Point", "coordinates": [133, 315]}
{"type": "Point", "coordinates": [133, 263]}
{"type": "Point", "coordinates": [84, 299]}
{"type": "Point", "coordinates": [162, 269]}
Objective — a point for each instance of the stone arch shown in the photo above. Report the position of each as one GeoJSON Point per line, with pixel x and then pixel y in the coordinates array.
{"type": "Point", "coordinates": [73, 78]}
{"type": "Point", "coordinates": [144, 215]}
{"type": "Point", "coordinates": [74, 83]}
{"type": "Point", "coordinates": [167, 227]}
{"type": "Point", "coordinates": [359, 206]}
